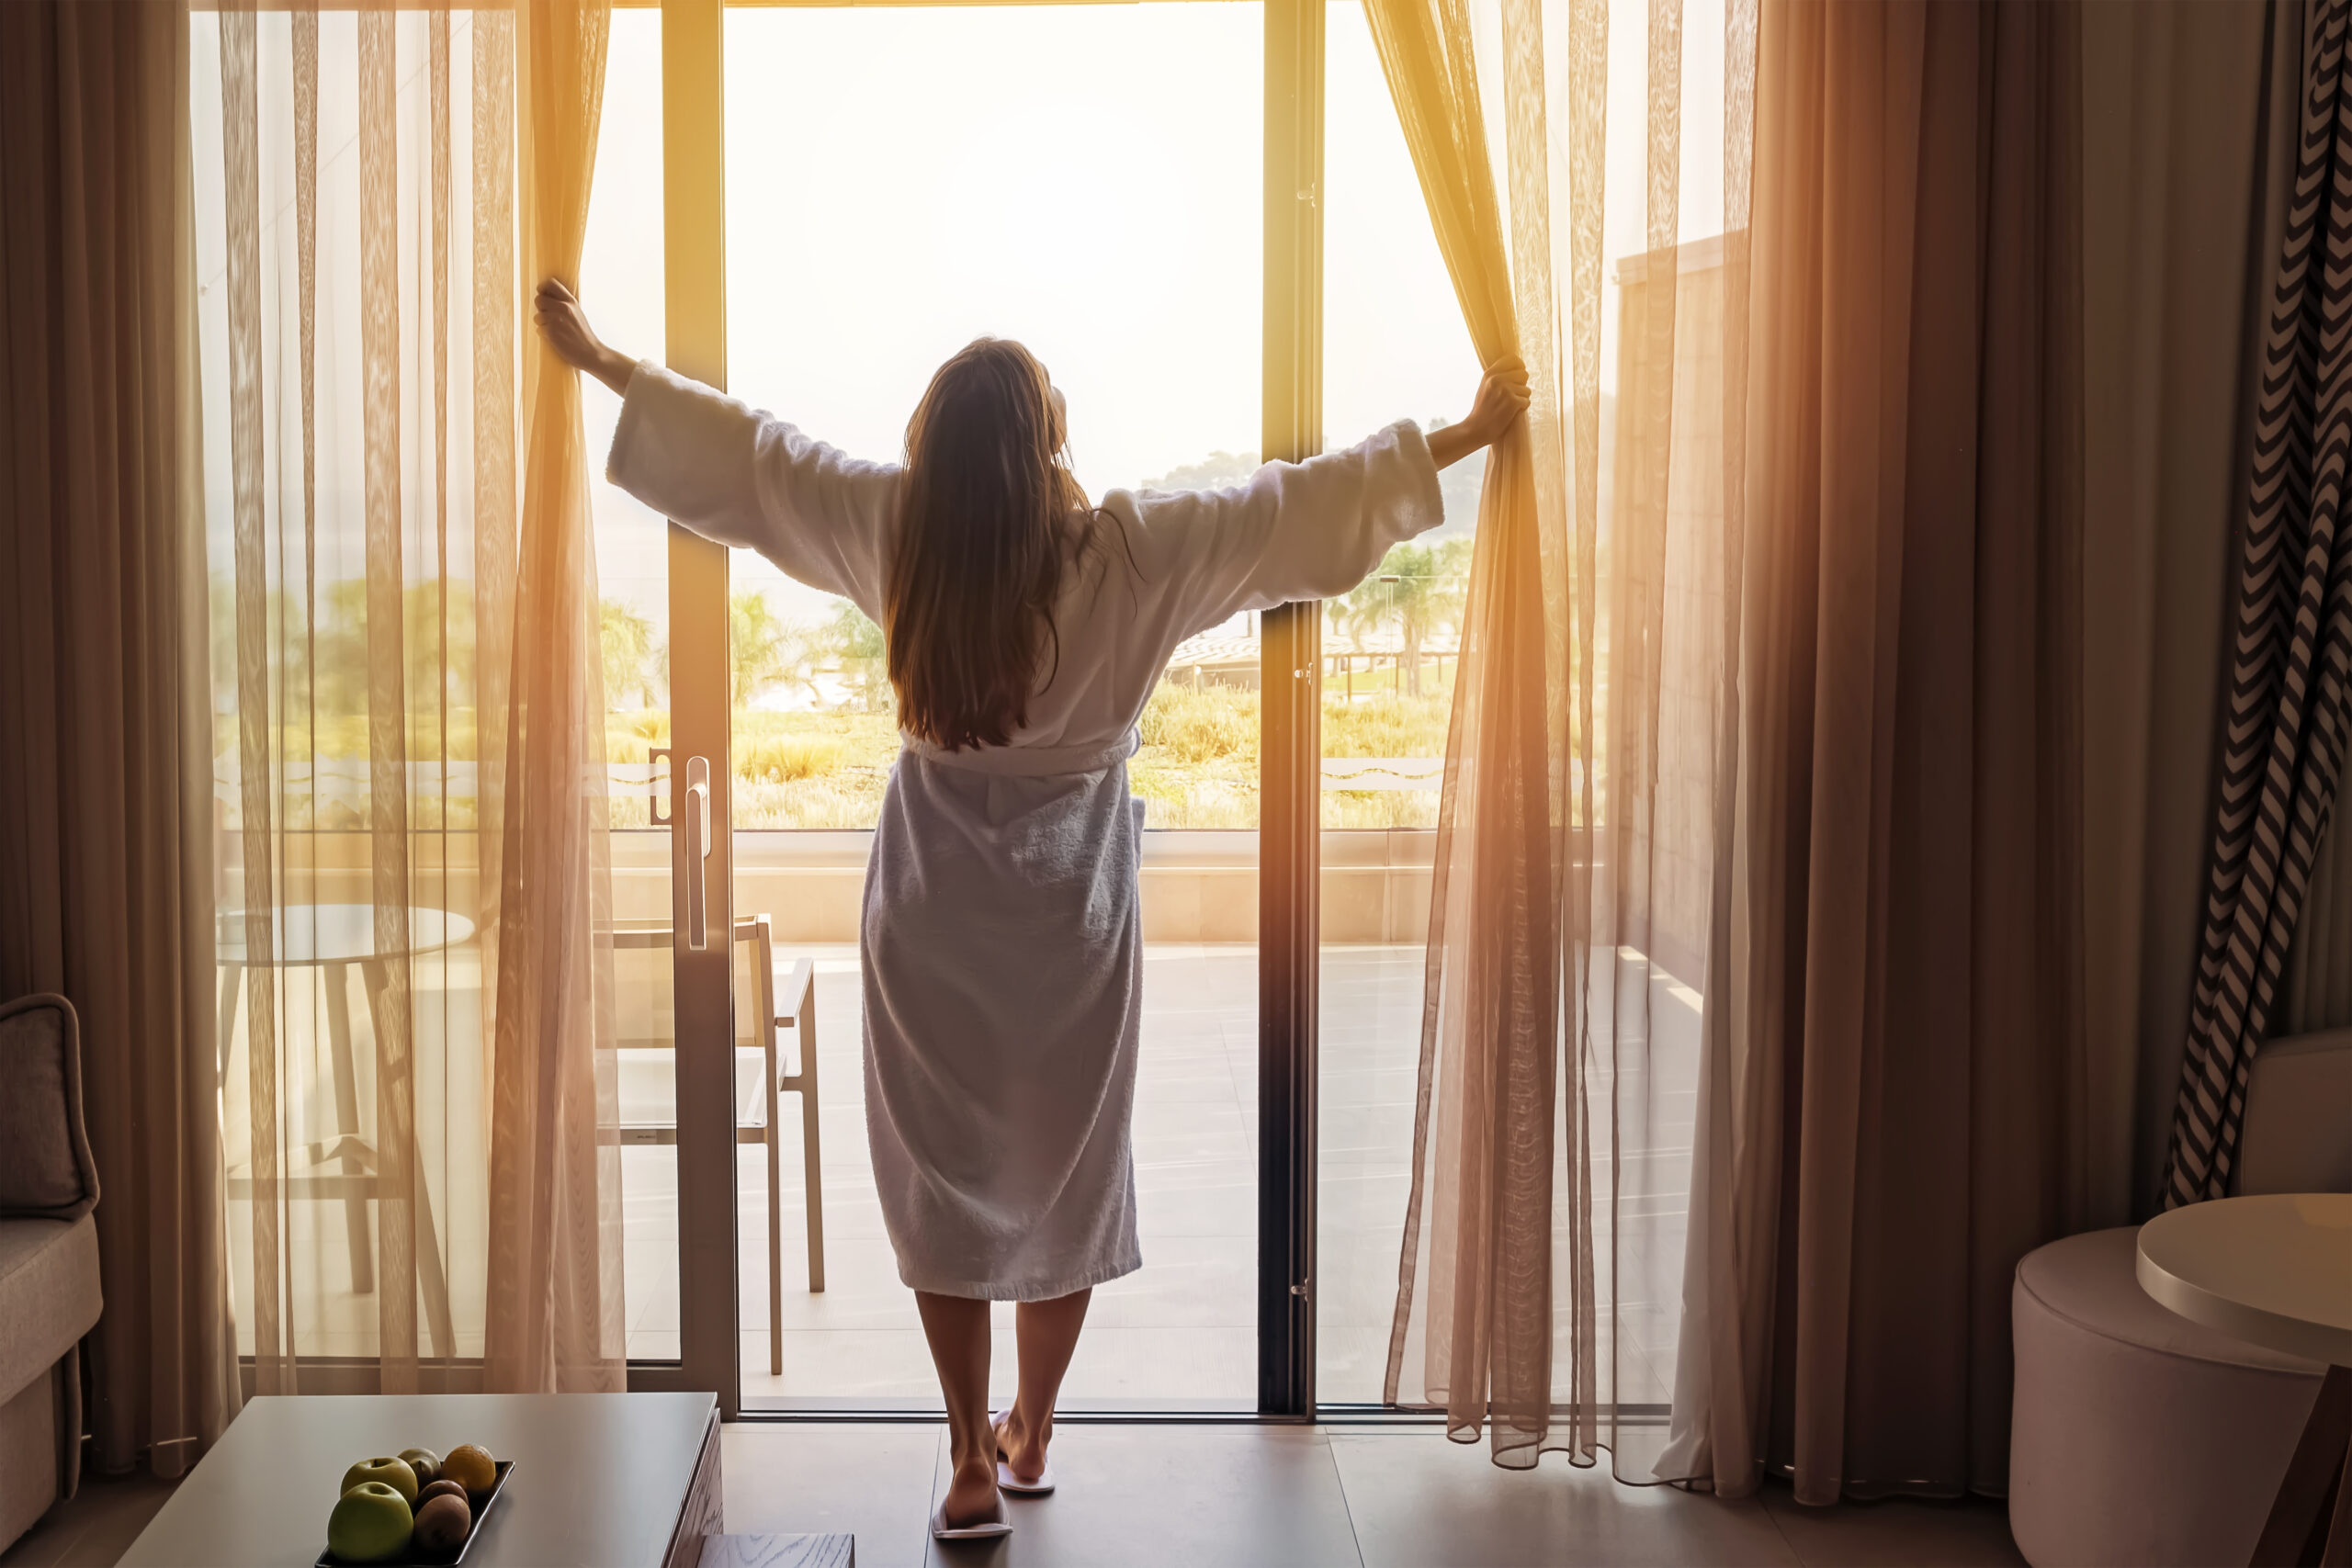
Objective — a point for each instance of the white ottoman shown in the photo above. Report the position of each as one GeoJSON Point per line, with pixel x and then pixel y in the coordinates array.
{"type": "Point", "coordinates": [2139, 1437]}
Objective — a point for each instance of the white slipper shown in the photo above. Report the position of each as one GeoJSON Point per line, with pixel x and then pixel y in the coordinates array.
{"type": "Point", "coordinates": [1008, 1481]}
{"type": "Point", "coordinates": [985, 1529]}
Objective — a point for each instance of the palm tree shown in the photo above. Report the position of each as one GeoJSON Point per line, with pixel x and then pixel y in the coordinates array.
{"type": "Point", "coordinates": [627, 638]}
{"type": "Point", "coordinates": [854, 639]}
{"type": "Point", "coordinates": [763, 650]}
{"type": "Point", "coordinates": [1417, 589]}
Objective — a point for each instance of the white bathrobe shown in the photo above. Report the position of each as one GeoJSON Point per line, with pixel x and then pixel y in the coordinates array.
{"type": "Point", "coordinates": [1004, 941]}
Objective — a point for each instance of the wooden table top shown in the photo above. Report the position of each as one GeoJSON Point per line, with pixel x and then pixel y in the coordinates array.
{"type": "Point", "coordinates": [599, 1478]}
{"type": "Point", "coordinates": [2275, 1270]}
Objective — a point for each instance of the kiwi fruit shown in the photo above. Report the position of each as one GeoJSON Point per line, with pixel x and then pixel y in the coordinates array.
{"type": "Point", "coordinates": [444, 1487]}
{"type": "Point", "coordinates": [442, 1524]}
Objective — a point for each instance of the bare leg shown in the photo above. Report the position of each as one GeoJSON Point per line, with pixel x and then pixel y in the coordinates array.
{"type": "Point", "coordinates": [958, 1328]}
{"type": "Point", "coordinates": [1047, 1333]}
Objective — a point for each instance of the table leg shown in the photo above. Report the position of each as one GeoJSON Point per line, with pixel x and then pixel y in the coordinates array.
{"type": "Point", "coordinates": [336, 979]}
{"type": "Point", "coordinates": [434, 1278]}
{"type": "Point", "coordinates": [2316, 1491]}
{"type": "Point", "coordinates": [231, 975]}
{"type": "Point", "coordinates": [811, 1156]}
{"type": "Point", "coordinates": [2338, 1553]}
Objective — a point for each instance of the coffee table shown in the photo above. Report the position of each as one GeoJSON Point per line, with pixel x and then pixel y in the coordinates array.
{"type": "Point", "coordinates": [2276, 1271]}
{"type": "Point", "coordinates": [600, 1480]}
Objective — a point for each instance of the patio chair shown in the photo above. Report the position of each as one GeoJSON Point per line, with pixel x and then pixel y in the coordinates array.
{"type": "Point", "coordinates": [783, 996]}
{"type": "Point", "coordinates": [343, 1168]}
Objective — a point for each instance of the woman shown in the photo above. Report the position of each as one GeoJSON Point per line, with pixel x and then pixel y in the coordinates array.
{"type": "Point", "coordinates": [1002, 942]}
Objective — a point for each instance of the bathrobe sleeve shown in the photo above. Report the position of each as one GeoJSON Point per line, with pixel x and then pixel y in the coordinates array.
{"type": "Point", "coordinates": [743, 477]}
{"type": "Point", "coordinates": [1309, 530]}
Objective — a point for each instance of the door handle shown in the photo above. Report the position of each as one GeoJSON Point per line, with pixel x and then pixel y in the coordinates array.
{"type": "Point", "coordinates": [657, 780]}
{"type": "Point", "coordinates": [697, 852]}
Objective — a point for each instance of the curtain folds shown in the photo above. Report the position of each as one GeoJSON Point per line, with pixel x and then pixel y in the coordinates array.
{"type": "Point", "coordinates": [408, 749]}
{"type": "Point", "coordinates": [106, 806]}
{"type": "Point", "coordinates": [1895, 1098]}
{"type": "Point", "coordinates": [554, 1181]}
{"type": "Point", "coordinates": [2290, 674]}
{"type": "Point", "coordinates": [1574, 872]}
{"type": "Point", "coordinates": [2184, 157]}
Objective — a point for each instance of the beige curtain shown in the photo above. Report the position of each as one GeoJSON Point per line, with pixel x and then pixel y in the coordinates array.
{"type": "Point", "coordinates": [1575, 865]}
{"type": "Point", "coordinates": [408, 747]}
{"type": "Point", "coordinates": [1895, 1101]}
{"type": "Point", "coordinates": [2186, 153]}
{"type": "Point", "coordinates": [105, 822]}
{"type": "Point", "coordinates": [556, 1318]}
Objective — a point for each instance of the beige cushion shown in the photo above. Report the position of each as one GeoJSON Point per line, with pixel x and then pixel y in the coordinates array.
{"type": "Point", "coordinates": [45, 1166]}
{"type": "Point", "coordinates": [49, 1294]}
{"type": "Point", "coordinates": [2139, 1437]}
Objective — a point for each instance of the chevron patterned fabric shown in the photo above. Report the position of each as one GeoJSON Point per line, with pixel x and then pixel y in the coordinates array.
{"type": "Point", "coordinates": [2290, 691]}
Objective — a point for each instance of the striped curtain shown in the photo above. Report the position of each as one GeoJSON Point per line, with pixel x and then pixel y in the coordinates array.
{"type": "Point", "coordinates": [2290, 693]}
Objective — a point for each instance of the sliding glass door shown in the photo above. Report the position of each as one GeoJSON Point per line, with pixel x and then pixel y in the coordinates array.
{"type": "Point", "coordinates": [849, 194]}
{"type": "Point", "coordinates": [899, 182]}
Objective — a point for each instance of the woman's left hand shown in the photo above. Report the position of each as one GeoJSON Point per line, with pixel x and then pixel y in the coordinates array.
{"type": "Point", "coordinates": [565, 326]}
{"type": "Point", "coordinates": [1502, 398]}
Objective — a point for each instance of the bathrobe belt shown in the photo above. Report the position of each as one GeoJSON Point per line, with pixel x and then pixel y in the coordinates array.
{"type": "Point", "coordinates": [1028, 762]}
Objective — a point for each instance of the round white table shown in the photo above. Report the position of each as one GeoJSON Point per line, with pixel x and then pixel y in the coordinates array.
{"type": "Point", "coordinates": [2276, 1271]}
{"type": "Point", "coordinates": [332, 938]}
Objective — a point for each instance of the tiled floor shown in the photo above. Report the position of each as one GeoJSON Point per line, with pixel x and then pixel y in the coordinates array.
{"type": "Point", "coordinates": [94, 1529]}
{"type": "Point", "coordinates": [1238, 1496]}
{"type": "Point", "coordinates": [1232, 1496]}
{"type": "Point", "coordinates": [1180, 1333]}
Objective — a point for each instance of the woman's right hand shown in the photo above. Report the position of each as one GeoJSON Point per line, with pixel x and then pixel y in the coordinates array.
{"type": "Point", "coordinates": [565, 327]}
{"type": "Point", "coordinates": [1502, 398]}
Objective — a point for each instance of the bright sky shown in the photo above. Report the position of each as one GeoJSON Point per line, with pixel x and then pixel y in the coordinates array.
{"type": "Point", "coordinates": [900, 180]}
{"type": "Point", "coordinates": [1085, 178]}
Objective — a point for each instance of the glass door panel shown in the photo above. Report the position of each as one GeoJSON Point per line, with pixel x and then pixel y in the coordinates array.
{"type": "Point", "coordinates": [888, 199]}
{"type": "Point", "coordinates": [1395, 346]}
{"type": "Point", "coordinates": [621, 281]}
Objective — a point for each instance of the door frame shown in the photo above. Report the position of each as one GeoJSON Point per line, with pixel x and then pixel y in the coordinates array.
{"type": "Point", "coordinates": [694, 253]}
{"type": "Point", "coordinates": [1290, 745]}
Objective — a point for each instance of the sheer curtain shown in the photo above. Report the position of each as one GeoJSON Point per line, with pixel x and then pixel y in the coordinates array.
{"type": "Point", "coordinates": [409, 747]}
{"type": "Point", "coordinates": [1575, 874]}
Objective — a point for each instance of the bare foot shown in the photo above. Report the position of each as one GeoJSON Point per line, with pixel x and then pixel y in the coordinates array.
{"type": "Point", "coordinates": [1021, 1446]}
{"type": "Point", "coordinates": [971, 1493]}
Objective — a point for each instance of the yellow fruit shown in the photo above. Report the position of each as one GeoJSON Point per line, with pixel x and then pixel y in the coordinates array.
{"type": "Point", "coordinates": [471, 1466]}
{"type": "Point", "coordinates": [393, 1472]}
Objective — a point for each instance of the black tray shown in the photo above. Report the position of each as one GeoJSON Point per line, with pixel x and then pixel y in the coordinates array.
{"type": "Point", "coordinates": [482, 1502]}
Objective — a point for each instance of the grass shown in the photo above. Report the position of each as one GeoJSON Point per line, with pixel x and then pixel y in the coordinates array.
{"type": "Point", "coordinates": [1197, 766]}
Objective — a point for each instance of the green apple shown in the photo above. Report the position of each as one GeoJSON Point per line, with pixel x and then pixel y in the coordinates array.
{"type": "Point", "coordinates": [393, 1472]}
{"type": "Point", "coordinates": [425, 1462]}
{"type": "Point", "coordinates": [371, 1523]}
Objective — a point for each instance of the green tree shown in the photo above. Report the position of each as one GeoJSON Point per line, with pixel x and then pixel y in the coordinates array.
{"type": "Point", "coordinates": [627, 638]}
{"type": "Point", "coordinates": [1417, 589]}
{"type": "Point", "coordinates": [851, 638]}
{"type": "Point", "coordinates": [1218, 470]}
{"type": "Point", "coordinates": [763, 649]}
{"type": "Point", "coordinates": [349, 644]}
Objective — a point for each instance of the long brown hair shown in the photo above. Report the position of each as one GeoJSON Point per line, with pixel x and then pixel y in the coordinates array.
{"type": "Point", "coordinates": [985, 534]}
